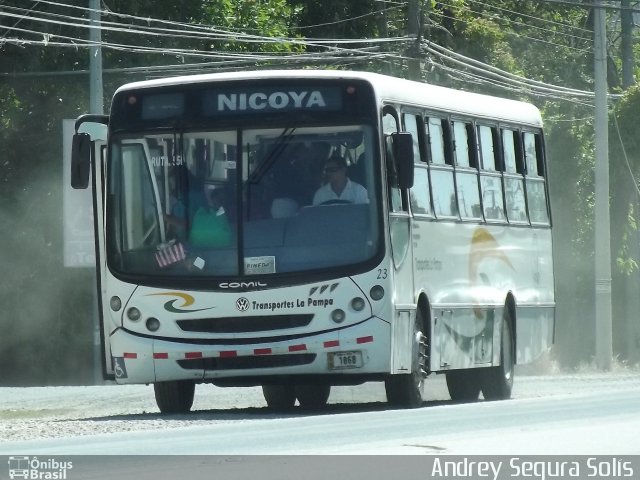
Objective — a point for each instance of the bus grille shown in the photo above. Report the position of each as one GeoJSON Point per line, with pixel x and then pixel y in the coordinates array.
{"type": "Point", "coordinates": [245, 324]}
{"type": "Point", "coordinates": [248, 362]}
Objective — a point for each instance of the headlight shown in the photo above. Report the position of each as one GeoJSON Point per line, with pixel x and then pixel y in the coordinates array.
{"type": "Point", "coordinates": [376, 292]}
{"type": "Point", "coordinates": [358, 304]}
{"type": "Point", "coordinates": [115, 303]}
{"type": "Point", "coordinates": [338, 315]}
{"type": "Point", "coordinates": [133, 314]}
{"type": "Point", "coordinates": [153, 324]}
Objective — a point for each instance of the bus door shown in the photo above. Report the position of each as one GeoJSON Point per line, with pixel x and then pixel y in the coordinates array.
{"type": "Point", "coordinates": [400, 245]}
{"type": "Point", "coordinates": [98, 135]}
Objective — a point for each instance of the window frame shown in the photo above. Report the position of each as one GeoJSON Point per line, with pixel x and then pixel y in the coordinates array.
{"type": "Point", "coordinates": [494, 172]}
{"type": "Point", "coordinates": [470, 168]}
{"type": "Point", "coordinates": [420, 161]}
{"type": "Point", "coordinates": [453, 169]}
{"type": "Point", "coordinates": [448, 166]}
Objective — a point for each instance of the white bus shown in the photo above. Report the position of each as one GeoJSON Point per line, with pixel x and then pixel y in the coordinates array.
{"type": "Point", "coordinates": [219, 263]}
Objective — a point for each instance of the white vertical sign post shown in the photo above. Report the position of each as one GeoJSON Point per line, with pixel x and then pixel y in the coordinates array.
{"type": "Point", "coordinates": [79, 239]}
{"type": "Point", "coordinates": [79, 236]}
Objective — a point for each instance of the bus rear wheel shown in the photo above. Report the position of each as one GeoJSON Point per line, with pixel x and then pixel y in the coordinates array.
{"type": "Point", "coordinates": [279, 397]}
{"type": "Point", "coordinates": [463, 385]}
{"type": "Point", "coordinates": [497, 382]}
{"type": "Point", "coordinates": [405, 390]}
{"type": "Point", "coordinates": [175, 396]}
{"type": "Point", "coordinates": [313, 396]}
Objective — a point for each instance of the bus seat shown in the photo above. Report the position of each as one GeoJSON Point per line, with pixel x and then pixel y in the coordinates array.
{"type": "Point", "coordinates": [283, 207]}
{"type": "Point", "coordinates": [328, 225]}
{"type": "Point", "coordinates": [356, 171]}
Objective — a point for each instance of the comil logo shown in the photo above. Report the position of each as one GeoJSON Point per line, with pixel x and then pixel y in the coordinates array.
{"type": "Point", "coordinates": [38, 469]}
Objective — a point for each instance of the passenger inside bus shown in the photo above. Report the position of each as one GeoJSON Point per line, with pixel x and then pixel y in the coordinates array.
{"type": "Point", "coordinates": [338, 187]}
{"type": "Point", "coordinates": [184, 204]}
{"type": "Point", "coordinates": [210, 226]}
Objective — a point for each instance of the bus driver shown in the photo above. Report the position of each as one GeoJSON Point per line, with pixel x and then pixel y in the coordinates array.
{"type": "Point", "coordinates": [338, 186]}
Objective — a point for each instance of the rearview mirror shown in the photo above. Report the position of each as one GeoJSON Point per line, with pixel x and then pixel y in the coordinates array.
{"type": "Point", "coordinates": [80, 160]}
{"type": "Point", "coordinates": [402, 143]}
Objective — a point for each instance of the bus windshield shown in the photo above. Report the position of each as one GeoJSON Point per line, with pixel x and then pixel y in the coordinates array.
{"type": "Point", "coordinates": [242, 202]}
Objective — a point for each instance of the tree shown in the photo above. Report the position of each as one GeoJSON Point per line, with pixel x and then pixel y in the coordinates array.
{"type": "Point", "coordinates": [625, 241]}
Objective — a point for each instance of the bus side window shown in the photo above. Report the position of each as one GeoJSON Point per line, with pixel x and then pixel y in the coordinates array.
{"type": "Point", "coordinates": [441, 168]}
{"type": "Point", "coordinates": [438, 136]}
{"type": "Point", "coordinates": [464, 144]}
{"type": "Point", "coordinates": [419, 194]}
{"type": "Point", "coordinates": [411, 125]}
{"type": "Point", "coordinates": [466, 171]}
{"type": "Point", "coordinates": [419, 197]}
{"type": "Point", "coordinates": [533, 154]}
{"type": "Point", "coordinates": [487, 148]}
{"type": "Point", "coordinates": [389, 126]}
{"type": "Point", "coordinates": [536, 191]}
{"type": "Point", "coordinates": [513, 178]}
{"type": "Point", "coordinates": [490, 178]}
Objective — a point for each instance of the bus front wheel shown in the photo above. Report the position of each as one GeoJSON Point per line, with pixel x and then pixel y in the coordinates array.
{"type": "Point", "coordinates": [279, 397]}
{"type": "Point", "coordinates": [405, 390]}
{"type": "Point", "coordinates": [313, 396]}
{"type": "Point", "coordinates": [175, 396]}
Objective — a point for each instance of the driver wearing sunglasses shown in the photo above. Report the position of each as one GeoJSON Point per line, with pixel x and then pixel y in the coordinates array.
{"type": "Point", "coordinates": [338, 187]}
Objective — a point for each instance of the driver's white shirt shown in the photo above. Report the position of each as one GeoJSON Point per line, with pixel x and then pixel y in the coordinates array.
{"type": "Point", "coordinates": [353, 192]}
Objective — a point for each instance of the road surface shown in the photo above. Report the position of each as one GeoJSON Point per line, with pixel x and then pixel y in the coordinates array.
{"type": "Point", "coordinates": [590, 413]}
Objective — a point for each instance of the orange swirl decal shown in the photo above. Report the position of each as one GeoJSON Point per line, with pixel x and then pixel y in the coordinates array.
{"type": "Point", "coordinates": [483, 246]}
{"type": "Point", "coordinates": [187, 300]}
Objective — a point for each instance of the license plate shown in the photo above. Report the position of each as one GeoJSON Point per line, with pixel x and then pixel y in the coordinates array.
{"type": "Point", "coordinates": [342, 360]}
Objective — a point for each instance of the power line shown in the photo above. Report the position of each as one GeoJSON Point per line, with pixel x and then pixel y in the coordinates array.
{"type": "Point", "coordinates": [578, 3]}
{"type": "Point", "coordinates": [518, 35]}
{"type": "Point", "coordinates": [35, 4]}
{"type": "Point", "coordinates": [350, 19]}
{"type": "Point", "coordinates": [544, 20]}
{"type": "Point", "coordinates": [489, 70]}
{"type": "Point", "coordinates": [331, 51]}
{"type": "Point", "coordinates": [546, 31]}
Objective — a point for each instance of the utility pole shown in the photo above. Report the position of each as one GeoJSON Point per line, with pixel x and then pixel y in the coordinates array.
{"type": "Point", "coordinates": [95, 59]}
{"type": "Point", "coordinates": [626, 26]}
{"type": "Point", "coordinates": [413, 29]}
{"type": "Point", "coordinates": [96, 107]}
{"type": "Point", "coordinates": [602, 227]}
{"type": "Point", "coordinates": [631, 301]}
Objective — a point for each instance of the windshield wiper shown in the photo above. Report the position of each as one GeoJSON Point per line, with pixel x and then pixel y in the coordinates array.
{"type": "Point", "coordinates": [276, 150]}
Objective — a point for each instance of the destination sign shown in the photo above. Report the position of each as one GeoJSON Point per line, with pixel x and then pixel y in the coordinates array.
{"type": "Point", "coordinates": [161, 106]}
{"type": "Point", "coordinates": [269, 100]}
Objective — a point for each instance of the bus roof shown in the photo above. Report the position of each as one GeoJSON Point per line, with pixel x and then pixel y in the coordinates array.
{"type": "Point", "coordinates": [387, 88]}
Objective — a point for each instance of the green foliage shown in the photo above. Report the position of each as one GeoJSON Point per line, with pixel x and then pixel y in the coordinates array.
{"type": "Point", "coordinates": [625, 260]}
{"type": "Point", "coordinates": [321, 19]}
{"type": "Point", "coordinates": [483, 37]}
{"type": "Point", "coordinates": [625, 157]}
{"type": "Point", "coordinates": [268, 19]}
{"type": "Point", "coordinates": [626, 112]}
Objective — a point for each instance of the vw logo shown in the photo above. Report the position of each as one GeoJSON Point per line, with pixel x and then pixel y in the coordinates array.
{"type": "Point", "coordinates": [242, 304]}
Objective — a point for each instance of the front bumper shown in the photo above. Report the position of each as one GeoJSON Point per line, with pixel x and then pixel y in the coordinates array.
{"type": "Point", "coordinates": [144, 359]}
